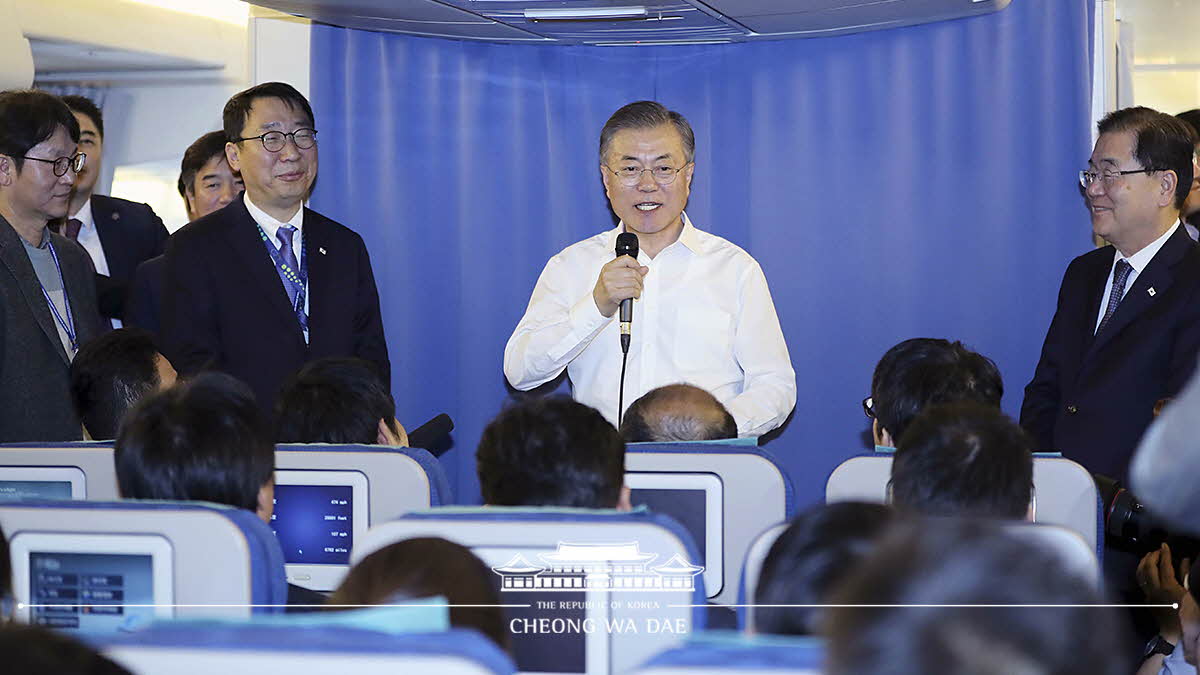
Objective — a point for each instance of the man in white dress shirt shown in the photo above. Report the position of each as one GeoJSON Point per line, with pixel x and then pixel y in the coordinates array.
{"type": "Point", "coordinates": [703, 313]}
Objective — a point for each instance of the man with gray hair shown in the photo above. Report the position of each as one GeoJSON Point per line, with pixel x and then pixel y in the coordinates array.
{"type": "Point", "coordinates": [674, 413]}
{"type": "Point", "coordinates": [703, 310]}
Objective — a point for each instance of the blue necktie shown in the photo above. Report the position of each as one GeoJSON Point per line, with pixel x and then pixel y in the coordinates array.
{"type": "Point", "coordinates": [284, 235]}
{"type": "Point", "coordinates": [1120, 275]}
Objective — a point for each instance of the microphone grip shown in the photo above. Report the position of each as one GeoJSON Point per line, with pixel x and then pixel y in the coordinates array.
{"type": "Point", "coordinates": [627, 310]}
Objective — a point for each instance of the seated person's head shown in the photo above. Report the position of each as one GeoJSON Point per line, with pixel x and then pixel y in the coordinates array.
{"type": "Point", "coordinates": [337, 400]}
{"type": "Point", "coordinates": [816, 551]}
{"type": "Point", "coordinates": [964, 459]}
{"type": "Point", "coordinates": [204, 439]}
{"type": "Point", "coordinates": [925, 371]}
{"type": "Point", "coordinates": [421, 568]}
{"type": "Point", "coordinates": [33, 650]}
{"type": "Point", "coordinates": [552, 451]}
{"type": "Point", "coordinates": [677, 412]}
{"type": "Point", "coordinates": [951, 562]}
{"type": "Point", "coordinates": [111, 373]}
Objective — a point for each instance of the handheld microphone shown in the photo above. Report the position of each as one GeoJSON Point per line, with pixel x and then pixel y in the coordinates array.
{"type": "Point", "coordinates": [627, 244]}
{"type": "Point", "coordinates": [429, 435]}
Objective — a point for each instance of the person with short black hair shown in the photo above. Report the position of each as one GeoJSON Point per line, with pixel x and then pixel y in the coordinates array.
{"type": "Point", "coordinates": [205, 439]}
{"type": "Point", "coordinates": [1190, 214]}
{"type": "Point", "coordinates": [426, 567]}
{"type": "Point", "coordinates": [677, 412]}
{"type": "Point", "coordinates": [48, 293]}
{"type": "Point", "coordinates": [921, 372]}
{"type": "Point", "coordinates": [206, 184]}
{"type": "Point", "coordinates": [552, 451]}
{"type": "Point", "coordinates": [338, 400]}
{"type": "Point", "coordinates": [819, 548]}
{"type": "Point", "coordinates": [706, 317]}
{"type": "Point", "coordinates": [264, 285]}
{"type": "Point", "coordinates": [112, 373]}
{"type": "Point", "coordinates": [1126, 329]}
{"type": "Point", "coordinates": [118, 234]}
{"type": "Point", "coordinates": [964, 459]}
{"type": "Point", "coordinates": [35, 650]}
{"type": "Point", "coordinates": [909, 608]}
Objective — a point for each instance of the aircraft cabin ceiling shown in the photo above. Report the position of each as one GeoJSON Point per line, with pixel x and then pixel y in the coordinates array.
{"type": "Point", "coordinates": [629, 22]}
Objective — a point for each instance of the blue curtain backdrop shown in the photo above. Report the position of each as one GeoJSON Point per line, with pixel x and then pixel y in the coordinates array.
{"type": "Point", "coordinates": [909, 182]}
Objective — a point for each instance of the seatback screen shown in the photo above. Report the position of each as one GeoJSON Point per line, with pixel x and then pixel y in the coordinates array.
{"type": "Point", "coordinates": [91, 592]}
{"type": "Point", "coordinates": [685, 506]}
{"type": "Point", "coordinates": [22, 490]}
{"type": "Point", "coordinates": [314, 523]}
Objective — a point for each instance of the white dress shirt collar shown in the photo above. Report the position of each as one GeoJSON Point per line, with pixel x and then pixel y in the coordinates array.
{"type": "Point", "coordinates": [270, 225]}
{"type": "Point", "coordinates": [689, 236]}
{"type": "Point", "coordinates": [1139, 260]}
{"type": "Point", "coordinates": [84, 216]}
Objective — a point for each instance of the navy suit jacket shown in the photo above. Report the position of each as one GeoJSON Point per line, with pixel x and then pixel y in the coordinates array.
{"type": "Point", "coordinates": [143, 309]}
{"type": "Point", "coordinates": [130, 233]}
{"type": "Point", "coordinates": [1092, 396]}
{"type": "Point", "coordinates": [225, 308]}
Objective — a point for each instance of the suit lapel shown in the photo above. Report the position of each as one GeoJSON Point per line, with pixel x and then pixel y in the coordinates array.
{"type": "Point", "coordinates": [1158, 276]}
{"type": "Point", "coordinates": [320, 272]}
{"type": "Point", "coordinates": [107, 221]}
{"type": "Point", "coordinates": [13, 256]}
{"type": "Point", "coordinates": [1098, 278]}
{"type": "Point", "coordinates": [243, 237]}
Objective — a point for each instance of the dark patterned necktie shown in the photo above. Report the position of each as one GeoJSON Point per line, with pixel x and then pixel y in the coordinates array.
{"type": "Point", "coordinates": [284, 235]}
{"type": "Point", "coordinates": [1120, 275]}
{"type": "Point", "coordinates": [71, 231]}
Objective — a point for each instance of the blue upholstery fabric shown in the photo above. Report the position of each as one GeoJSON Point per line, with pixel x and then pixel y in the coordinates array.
{"type": "Point", "coordinates": [724, 448]}
{"type": "Point", "coordinates": [734, 650]}
{"type": "Point", "coordinates": [439, 486]}
{"type": "Point", "coordinates": [268, 581]}
{"type": "Point", "coordinates": [466, 643]}
{"type": "Point", "coordinates": [558, 515]}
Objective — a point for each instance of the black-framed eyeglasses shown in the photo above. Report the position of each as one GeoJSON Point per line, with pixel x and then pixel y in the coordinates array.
{"type": "Point", "coordinates": [631, 175]}
{"type": "Point", "coordinates": [868, 404]}
{"type": "Point", "coordinates": [1086, 178]}
{"type": "Point", "coordinates": [274, 141]}
{"type": "Point", "coordinates": [63, 164]}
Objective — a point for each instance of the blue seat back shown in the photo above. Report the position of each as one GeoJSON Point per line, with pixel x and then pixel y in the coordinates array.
{"type": "Point", "coordinates": [755, 492]}
{"type": "Point", "coordinates": [186, 650]}
{"type": "Point", "coordinates": [224, 561]}
{"type": "Point", "coordinates": [620, 586]}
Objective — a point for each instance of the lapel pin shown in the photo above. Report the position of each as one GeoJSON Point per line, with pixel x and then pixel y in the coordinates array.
{"type": "Point", "coordinates": [322, 250]}
{"type": "Point", "coordinates": [1150, 291]}
{"type": "Point", "coordinates": [116, 216]}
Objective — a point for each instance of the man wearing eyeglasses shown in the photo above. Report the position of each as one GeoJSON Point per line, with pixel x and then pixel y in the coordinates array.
{"type": "Point", "coordinates": [1126, 331]}
{"type": "Point", "coordinates": [703, 313]}
{"type": "Point", "coordinates": [264, 285]}
{"type": "Point", "coordinates": [47, 295]}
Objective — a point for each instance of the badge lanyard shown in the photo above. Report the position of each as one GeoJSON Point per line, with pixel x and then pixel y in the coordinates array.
{"type": "Point", "coordinates": [300, 281]}
{"type": "Point", "coordinates": [68, 326]}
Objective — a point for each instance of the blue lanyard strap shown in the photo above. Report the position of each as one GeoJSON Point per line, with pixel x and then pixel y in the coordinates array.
{"type": "Point", "coordinates": [297, 278]}
{"type": "Point", "coordinates": [68, 326]}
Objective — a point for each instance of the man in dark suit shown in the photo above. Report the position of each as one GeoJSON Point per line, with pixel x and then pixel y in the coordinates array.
{"type": "Point", "coordinates": [118, 234]}
{"type": "Point", "coordinates": [206, 184]}
{"type": "Point", "coordinates": [264, 285]}
{"type": "Point", "coordinates": [47, 294]}
{"type": "Point", "coordinates": [1126, 332]}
